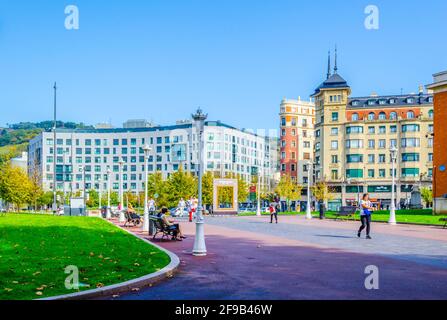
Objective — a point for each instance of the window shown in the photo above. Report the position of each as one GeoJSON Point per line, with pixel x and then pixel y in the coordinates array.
{"type": "Point", "coordinates": [371, 158]}
{"type": "Point", "coordinates": [382, 173]}
{"type": "Point", "coordinates": [371, 173]}
{"type": "Point", "coordinates": [393, 143]}
{"type": "Point", "coordinates": [354, 173]}
{"type": "Point", "coordinates": [410, 100]}
{"type": "Point", "coordinates": [430, 114]}
{"type": "Point", "coordinates": [283, 122]}
{"type": "Point", "coordinates": [382, 130]}
{"type": "Point", "coordinates": [334, 174]}
{"type": "Point", "coordinates": [392, 101]}
{"type": "Point", "coordinates": [411, 128]}
{"type": "Point", "coordinates": [371, 144]}
{"type": "Point", "coordinates": [411, 142]}
{"type": "Point", "coordinates": [382, 144]}
{"type": "Point", "coordinates": [353, 130]}
{"type": "Point", "coordinates": [354, 158]}
{"type": "Point", "coordinates": [410, 115]}
{"type": "Point", "coordinates": [393, 129]}
{"type": "Point", "coordinates": [355, 117]}
{"type": "Point", "coordinates": [371, 116]}
{"type": "Point", "coordinates": [382, 158]}
{"type": "Point", "coordinates": [371, 130]}
{"type": "Point", "coordinates": [354, 144]}
{"type": "Point", "coordinates": [393, 115]}
{"type": "Point", "coordinates": [382, 116]}
{"type": "Point", "coordinates": [334, 116]}
{"type": "Point", "coordinates": [334, 159]}
{"type": "Point", "coordinates": [430, 157]}
{"type": "Point", "coordinates": [410, 172]}
{"type": "Point", "coordinates": [334, 131]}
{"type": "Point", "coordinates": [410, 157]}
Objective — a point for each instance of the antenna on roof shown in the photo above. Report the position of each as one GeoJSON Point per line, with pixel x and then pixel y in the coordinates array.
{"type": "Point", "coordinates": [336, 66]}
{"type": "Point", "coordinates": [329, 64]}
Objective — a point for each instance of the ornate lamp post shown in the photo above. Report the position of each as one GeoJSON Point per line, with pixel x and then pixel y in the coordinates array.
{"type": "Point", "coordinates": [109, 173]}
{"type": "Point", "coordinates": [100, 193]}
{"type": "Point", "coordinates": [199, 243]}
{"type": "Point", "coordinates": [258, 210]}
{"type": "Point", "coordinates": [122, 216]}
{"type": "Point", "coordinates": [393, 152]}
{"type": "Point", "coordinates": [309, 181]}
{"type": "Point", "coordinates": [147, 149]}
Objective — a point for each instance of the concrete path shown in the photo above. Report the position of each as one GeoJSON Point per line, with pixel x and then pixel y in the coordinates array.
{"type": "Point", "coordinates": [297, 259]}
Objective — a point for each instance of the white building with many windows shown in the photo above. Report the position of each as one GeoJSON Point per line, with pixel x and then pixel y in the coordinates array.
{"type": "Point", "coordinates": [92, 152]}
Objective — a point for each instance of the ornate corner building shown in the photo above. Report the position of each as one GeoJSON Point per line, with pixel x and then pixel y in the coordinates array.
{"type": "Point", "coordinates": [353, 137]}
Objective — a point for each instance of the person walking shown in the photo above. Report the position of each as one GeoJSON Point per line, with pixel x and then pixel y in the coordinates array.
{"type": "Point", "coordinates": [273, 213]}
{"type": "Point", "coordinates": [181, 207]}
{"type": "Point", "coordinates": [366, 210]}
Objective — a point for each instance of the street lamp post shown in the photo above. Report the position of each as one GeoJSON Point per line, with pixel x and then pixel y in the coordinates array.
{"type": "Point", "coordinates": [100, 193]}
{"type": "Point", "coordinates": [109, 173]}
{"type": "Point", "coordinates": [84, 195]}
{"type": "Point", "coordinates": [122, 216]}
{"type": "Point", "coordinates": [309, 179]}
{"type": "Point", "coordinates": [258, 211]}
{"type": "Point", "coordinates": [199, 243]}
{"type": "Point", "coordinates": [147, 149]}
{"type": "Point", "coordinates": [393, 152]}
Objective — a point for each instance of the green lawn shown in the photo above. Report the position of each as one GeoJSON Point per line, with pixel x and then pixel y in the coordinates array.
{"type": "Point", "coordinates": [402, 216]}
{"type": "Point", "coordinates": [36, 249]}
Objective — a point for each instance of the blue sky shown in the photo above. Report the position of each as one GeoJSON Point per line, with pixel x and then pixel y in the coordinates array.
{"type": "Point", "coordinates": [160, 59]}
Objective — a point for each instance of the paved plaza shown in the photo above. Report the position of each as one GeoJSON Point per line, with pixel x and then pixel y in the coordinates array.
{"type": "Point", "coordinates": [249, 258]}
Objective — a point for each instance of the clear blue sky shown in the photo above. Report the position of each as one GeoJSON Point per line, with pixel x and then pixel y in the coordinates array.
{"type": "Point", "coordinates": [160, 59]}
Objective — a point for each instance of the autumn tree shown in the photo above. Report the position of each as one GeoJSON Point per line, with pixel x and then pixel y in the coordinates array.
{"type": "Point", "coordinates": [288, 190]}
{"type": "Point", "coordinates": [15, 187]}
{"type": "Point", "coordinates": [321, 192]}
{"type": "Point", "coordinates": [180, 184]}
{"type": "Point", "coordinates": [427, 196]}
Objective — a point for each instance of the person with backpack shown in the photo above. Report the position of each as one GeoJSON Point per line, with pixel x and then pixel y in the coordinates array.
{"type": "Point", "coordinates": [366, 210]}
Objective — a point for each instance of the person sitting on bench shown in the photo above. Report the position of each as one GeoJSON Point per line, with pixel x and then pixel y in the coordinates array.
{"type": "Point", "coordinates": [171, 224]}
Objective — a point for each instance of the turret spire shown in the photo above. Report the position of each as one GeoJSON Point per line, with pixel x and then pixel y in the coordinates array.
{"type": "Point", "coordinates": [336, 65]}
{"type": "Point", "coordinates": [329, 65]}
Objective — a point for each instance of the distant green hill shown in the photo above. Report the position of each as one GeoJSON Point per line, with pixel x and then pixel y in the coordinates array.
{"type": "Point", "coordinates": [15, 138]}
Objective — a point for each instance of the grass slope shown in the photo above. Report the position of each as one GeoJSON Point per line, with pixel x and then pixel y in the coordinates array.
{"type": "Point", "coordinates": [36, 249]}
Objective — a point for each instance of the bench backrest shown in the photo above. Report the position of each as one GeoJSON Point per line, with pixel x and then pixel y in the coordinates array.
{"type": "Point", "coordinates": [348, 210]}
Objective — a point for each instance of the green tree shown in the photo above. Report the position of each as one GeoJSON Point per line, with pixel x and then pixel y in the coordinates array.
{"type": "Point", "coordinates": [157, 186]}
{"type": "Point", "coordinates": [15, 187]}
{"type": "Point", "coordinates": [288, 190]}
{"type": "Point", "coordinates": [243, 189]}
{"type": "Point", "coordinates": [321, 192]}
{"type": "Point", "coordinates": [208, 188]}
{"type": "Point", "coordinates": [180, 185]}
{"type": "Point", "coordinates": [427, 196]}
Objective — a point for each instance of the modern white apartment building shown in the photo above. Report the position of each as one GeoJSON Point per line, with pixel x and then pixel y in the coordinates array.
{"type": "Point", "coordinates": [227, 150]}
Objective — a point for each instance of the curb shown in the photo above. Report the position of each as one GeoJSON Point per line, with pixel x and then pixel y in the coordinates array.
{"type": "Point", "coordinates": [128, 286]}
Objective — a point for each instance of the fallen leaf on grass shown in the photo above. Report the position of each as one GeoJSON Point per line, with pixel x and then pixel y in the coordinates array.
{"type": "Point", "coordinates": [100, 285]}
{"type": "Point", "coordinates": [39, 293]}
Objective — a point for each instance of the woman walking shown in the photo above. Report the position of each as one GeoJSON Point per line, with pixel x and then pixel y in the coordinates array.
{"type": "Point", "coordinates": [366, 209]}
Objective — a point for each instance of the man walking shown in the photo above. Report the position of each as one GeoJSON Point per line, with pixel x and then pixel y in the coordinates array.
{"type": "Point", "coordinates": [181, 207]}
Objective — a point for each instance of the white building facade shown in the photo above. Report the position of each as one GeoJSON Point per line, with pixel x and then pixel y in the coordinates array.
{"type": "Point", "coordinates": [84, 156]}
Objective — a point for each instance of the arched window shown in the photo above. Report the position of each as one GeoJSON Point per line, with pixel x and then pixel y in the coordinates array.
{"type": "Point", "coordinates": [382, 116]}
{"type": "Point", "coordinates": [372, 116]}
{"type": "Point", "coordinates": [410, 115]}
{"type": "Point", "coordinates": [355, 117]}
{"type": "Point", "coordinates": [393, 115]}
{"type": "Point", "coordinates": [430, 114]}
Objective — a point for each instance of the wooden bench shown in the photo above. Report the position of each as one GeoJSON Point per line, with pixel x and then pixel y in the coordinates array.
{"type": "Point", "coordinates": [346, 212]}
{"type": "Point", "coordinates": [132, 218]}
{"type": "Point", "coordinates": [444, 220]}
{"type": "Point", "coordinates": [161, 227]}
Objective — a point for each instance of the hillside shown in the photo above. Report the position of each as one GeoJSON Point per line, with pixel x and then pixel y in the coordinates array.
{"type": "Point", "coordinates": [15, 138]}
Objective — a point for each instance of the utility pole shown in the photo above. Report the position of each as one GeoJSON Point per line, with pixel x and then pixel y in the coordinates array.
{"type": "Point", "coordinates": [54, 151]}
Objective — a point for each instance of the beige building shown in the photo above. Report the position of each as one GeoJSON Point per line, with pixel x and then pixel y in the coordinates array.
{"type": "Point", "coordinates": [353, 137]}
